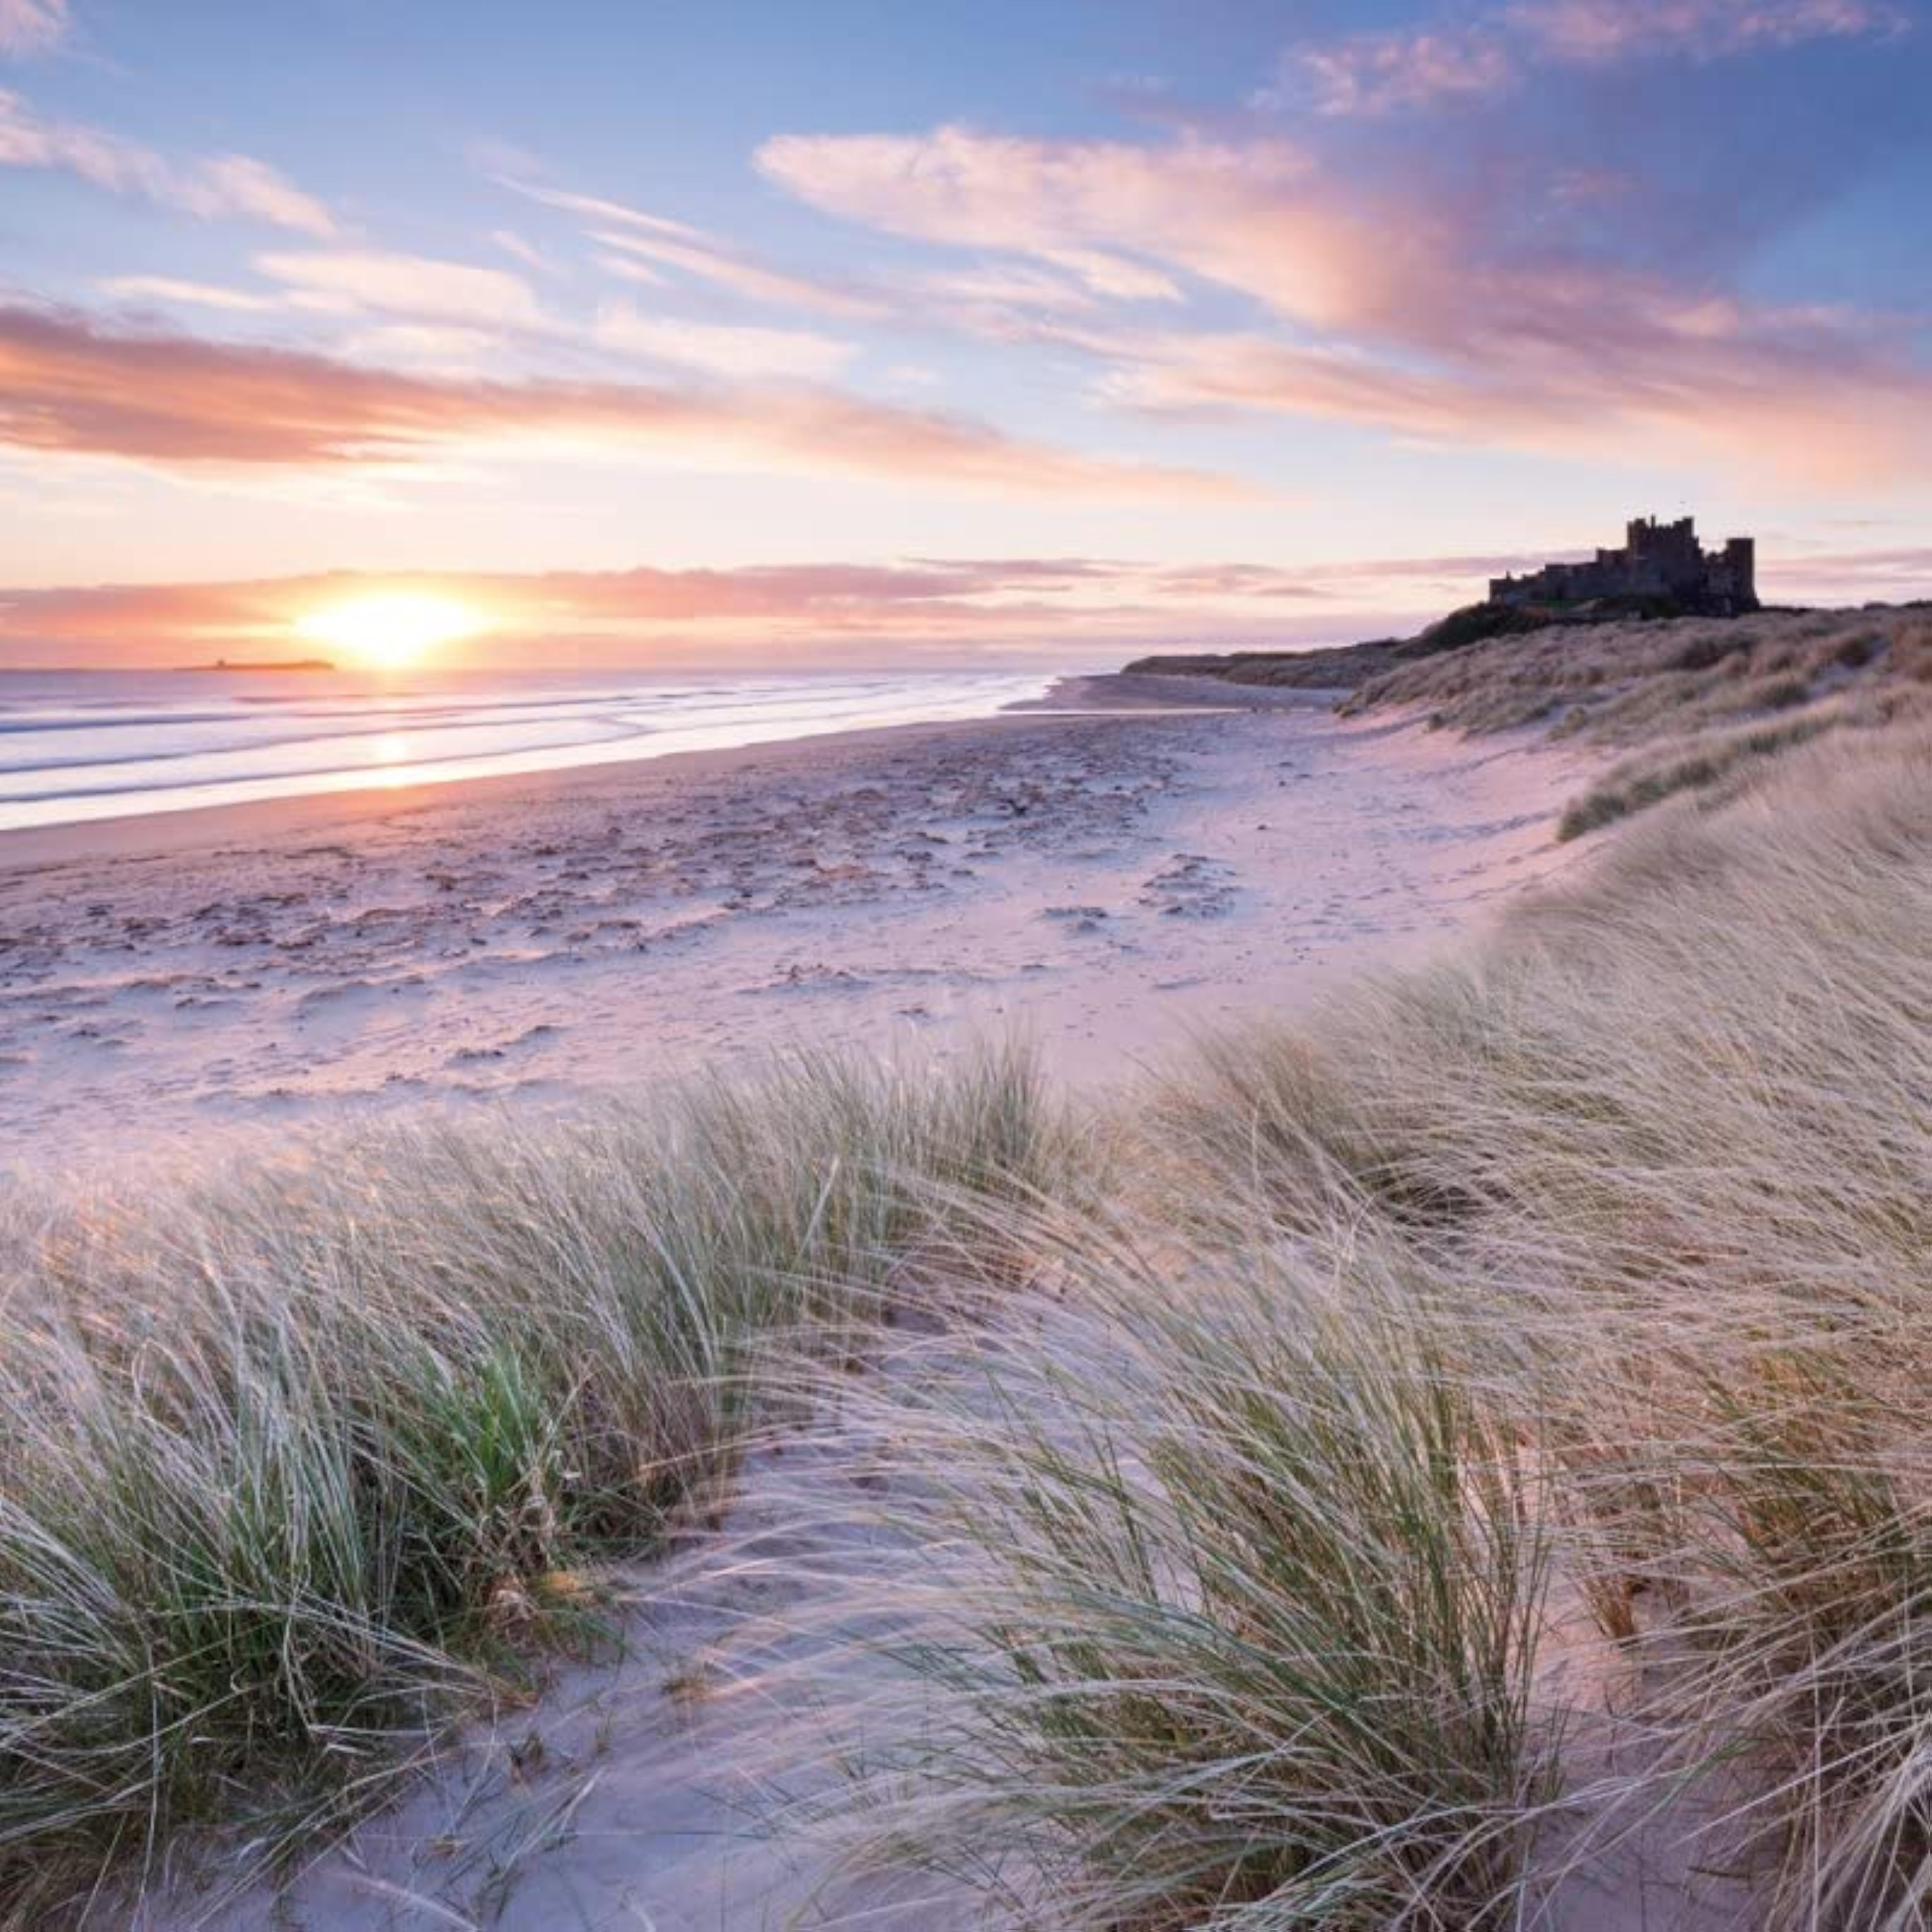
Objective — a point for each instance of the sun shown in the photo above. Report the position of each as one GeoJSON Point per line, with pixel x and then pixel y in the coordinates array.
{"type": "Point", "coordinates": [390, 630]}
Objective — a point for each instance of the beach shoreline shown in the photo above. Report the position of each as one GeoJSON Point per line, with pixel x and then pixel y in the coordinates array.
{"type": "Point", "coordinates": [247, 821]}
{"type": "Point", "coordinates": [1131, 860]}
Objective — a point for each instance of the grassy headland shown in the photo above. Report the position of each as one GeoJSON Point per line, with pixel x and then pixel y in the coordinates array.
{"type": "Point", "coordinates": [1691, 703]}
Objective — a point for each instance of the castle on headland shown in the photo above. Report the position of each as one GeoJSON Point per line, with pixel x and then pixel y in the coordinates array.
{"type": "Point", "coordinates": [1662, 562]}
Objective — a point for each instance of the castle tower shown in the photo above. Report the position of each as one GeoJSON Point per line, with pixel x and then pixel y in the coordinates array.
{"type": "Point", "coordinates": [1741, 555]}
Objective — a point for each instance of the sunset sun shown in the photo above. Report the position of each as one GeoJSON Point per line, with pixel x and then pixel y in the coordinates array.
{"type": "Point", "coordinates": [392, 630]}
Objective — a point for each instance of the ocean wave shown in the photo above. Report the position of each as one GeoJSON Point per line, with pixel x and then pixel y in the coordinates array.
{"type": "Point", "coordinates": [68, 753]}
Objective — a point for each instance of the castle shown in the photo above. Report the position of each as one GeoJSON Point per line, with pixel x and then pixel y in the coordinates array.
{"type": "Point", "coordinates": [1660, 561]}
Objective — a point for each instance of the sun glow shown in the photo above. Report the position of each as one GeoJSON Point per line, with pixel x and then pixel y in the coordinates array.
{"type": "Point", "coordinates": [390, 630]}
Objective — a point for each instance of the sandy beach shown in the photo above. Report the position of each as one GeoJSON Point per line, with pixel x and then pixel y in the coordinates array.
{"type": "Point", "coordinates": [1138, 861]}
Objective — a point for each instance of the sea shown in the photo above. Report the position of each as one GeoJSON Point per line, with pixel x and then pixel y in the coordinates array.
{"type": "Point", "coordinates": [77, 746]}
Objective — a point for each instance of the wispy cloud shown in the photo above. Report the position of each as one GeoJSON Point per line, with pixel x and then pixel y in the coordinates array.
{"type": "Point", "coordinates": [1255, 216]}
{"type": "Point", "coordinates": [345, 282]}
{"type": "Point", "coordinates": [1383, 73]}
{"type": "Point", "coordinates": [68, 384]}
{"type": "Point", "coordinates": [33, 26]}
{"type": "Point", "coordinates": [172, 290]}
{"type": "Point", "coordinates": [1490, 52]}
{"type": "Point", "coordinates": [513, 244]}
{"type": "Point", "coordinates": [655, 241]}
{"type": "Point", "coordinates": [750, 279]}
{"type": "Point", "coordinates": [722, 349]}
{"type": "Point", "coordinates": [1845, 576]}
{"type": "Point", "coordinates": [1590, 32]}
{"type": "Point", "coordinates": [209, 188]}
{"type": "Point", "coordinates": [1770, 397]}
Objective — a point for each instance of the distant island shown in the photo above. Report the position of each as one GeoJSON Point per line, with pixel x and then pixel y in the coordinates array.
{"type": "Point", "coordinates": [264, 663]}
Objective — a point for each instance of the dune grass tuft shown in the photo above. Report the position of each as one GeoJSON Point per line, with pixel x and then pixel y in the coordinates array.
{"type": "Point", "coordinates": [1236, 1623]}
{"type": "Point", "coordinates": [293, 1467]}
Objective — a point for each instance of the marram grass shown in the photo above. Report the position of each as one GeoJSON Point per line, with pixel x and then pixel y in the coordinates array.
{"type": "Point", "coordinates": [1232, 1619]}
{"type": "Point", "coordinates": [289, 1463]}
{"type": "Point", "coordinates": [1499, 1452]}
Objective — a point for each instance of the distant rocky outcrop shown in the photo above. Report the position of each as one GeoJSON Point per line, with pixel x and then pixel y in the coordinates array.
{"type": "Point", "coordinates": [264, 663]}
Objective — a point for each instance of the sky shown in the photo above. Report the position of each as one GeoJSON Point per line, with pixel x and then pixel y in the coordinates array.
{"type": "Point", "coordinates": [769, 333]}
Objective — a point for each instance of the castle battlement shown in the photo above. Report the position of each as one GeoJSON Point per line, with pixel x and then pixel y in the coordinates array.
{"type": "Point", "coordinates": [1664, 561]}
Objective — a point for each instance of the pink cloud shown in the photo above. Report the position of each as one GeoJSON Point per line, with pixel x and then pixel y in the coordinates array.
{"type": "Point", "coordinates": [69, 385]}
{"type": "Point", "coordinates": [344, 282]}
{"type": "Point", "coordinates": [173, 290]}
{"type": "Point", "coordinates": [750, 279]}
{"type": "Point", "coordinates": [32, 26]}
{"type": "Point", "coordinates": [1387, 72]}
{"type": "Point", "coordinates": [1600, 32]}
{"type": "Point", "coordinates": [1255, 216]}
{"type": "Point", "coordinates": [1381, 74]}
{"type": "Point", "coordinates": [513, 244]}
{"type": "Point", "coordinates": [1407, 316]}
{"type": "Point", "coordinates": [655, 239]}
{"type": "Point", "coordinates": [1625, 387]}
{"type": "Point", "coordinates": [218, 186]}
{"type": "Point", "coordinates": [621, 616]}
{"type": "Point", "coordinates": [722, 349]}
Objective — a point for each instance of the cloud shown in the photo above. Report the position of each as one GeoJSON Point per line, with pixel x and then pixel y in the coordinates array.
{"type": "Point", "coordinates": [419, 286]}
{"type": "Point", "coordinates": [743, 277]}
{"type": "Point", "coordinates": [1409, 309]}
{"type": "Point", "coordinates": [1627, 386]}
{"type": "Point", "coordinates": [218, 186]}
{"type": "Point", "coordinates": [828, 608]}
{"type": "Point", "coordinates": [513, 244]}
{"type": "Point", "coordinates": [448, 349]}
{"type": "Point", "coordinates": [855, 611]}
{"type": "Point", "coordinates": [631, 272]}
{"type": "Point", "coordinates": [655, 239]}
{"type": "Point", "coordinates": [722, 350]}
{"type": "Point", "coordinates": [994, 289]}
{"type": "Point", "coordinates": [169, 288]}
{"type": "Point", "coordinates": [1255, 216]}
{"type": "Point", "coordinates": [1107, 275]}
{"type": "Point", "coordinates": [1850, 576]}
{"type": "Point", "coordinates": [1592, 33]}
{"type": "Point", "coordinates": [68, 384]}
{"type": "Point", "coordinates": [1383, 72]}
{"type": "Point", "coordinates": [32, 26]}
